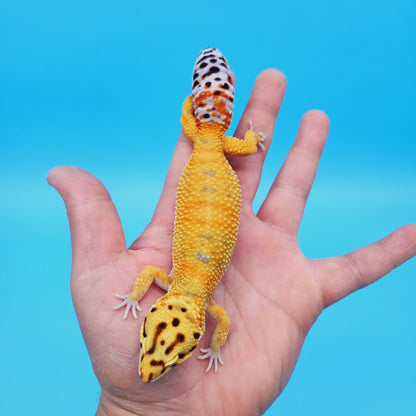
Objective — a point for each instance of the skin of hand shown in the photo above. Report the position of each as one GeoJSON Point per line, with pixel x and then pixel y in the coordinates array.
{"type": "Point", "coordinates": [271, 291]}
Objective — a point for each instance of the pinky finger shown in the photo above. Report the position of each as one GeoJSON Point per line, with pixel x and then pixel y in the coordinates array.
{"type": "Point", "coordinates": [340, 276]}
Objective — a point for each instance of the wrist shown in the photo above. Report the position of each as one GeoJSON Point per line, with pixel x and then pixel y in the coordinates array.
{"type": "Point", "coordinates": [107, 407]}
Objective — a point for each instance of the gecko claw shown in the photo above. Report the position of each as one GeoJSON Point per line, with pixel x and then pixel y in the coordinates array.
{"type": "Point", "coordinates": [260, 134]}
{"type": "Point", "coordinates": [129, 304]}
{"type": "Point", "coordinates": [213, 359]}
{"type": "Point", "coordinates": [262, 139]}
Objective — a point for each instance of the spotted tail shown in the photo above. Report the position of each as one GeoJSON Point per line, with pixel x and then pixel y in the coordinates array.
{"type": "Point", "coordinates": [213, 88]}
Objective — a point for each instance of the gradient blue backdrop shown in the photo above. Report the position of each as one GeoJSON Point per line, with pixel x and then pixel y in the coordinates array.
{"type": "Point", "coordinates": [100, 84]}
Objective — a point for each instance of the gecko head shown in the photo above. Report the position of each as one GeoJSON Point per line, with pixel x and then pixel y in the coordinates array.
{"type": "Point", "coordinates": [170, 333]}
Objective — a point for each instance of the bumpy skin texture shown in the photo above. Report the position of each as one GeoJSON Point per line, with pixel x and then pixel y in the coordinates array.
{"type": "Point", "coordinates": [206, 222]}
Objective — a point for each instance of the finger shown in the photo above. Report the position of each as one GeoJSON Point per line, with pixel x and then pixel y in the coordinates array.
{"type": "Point", "coordinates": [340, 276]}
{"type": "Point", "coordinates": [262, 109]}
{"type": "Point", "coordinates": [165, 210]}
{"type": "Point", "coordinates": [96, 232]}
{"type": "Point", "coordinates": [162, 221]}
{"type": "Point", "coordinates": [287, 197]}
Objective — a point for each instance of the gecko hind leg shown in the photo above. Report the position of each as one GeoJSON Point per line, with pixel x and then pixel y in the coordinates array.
{"type": "Point", "coordinates": [233, 146]}
{"type": "Point", "coordinates": [259, 133]}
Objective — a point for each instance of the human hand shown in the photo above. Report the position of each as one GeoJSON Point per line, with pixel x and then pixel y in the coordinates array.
{"type": "Point", "coordinates": [271, 291]}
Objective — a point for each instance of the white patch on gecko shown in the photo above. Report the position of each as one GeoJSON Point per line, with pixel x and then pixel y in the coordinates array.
{"type": "Point", "coordinates": [202, 257]}
{"type": "Point", "coordinates": [213, 88]}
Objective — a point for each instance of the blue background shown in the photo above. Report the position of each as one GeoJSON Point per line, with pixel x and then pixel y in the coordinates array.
{"type": "Point", "coordinates": [100, 84]}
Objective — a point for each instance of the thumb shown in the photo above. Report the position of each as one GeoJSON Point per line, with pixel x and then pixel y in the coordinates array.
{"type": "Point", "coordinates": [96, 233]}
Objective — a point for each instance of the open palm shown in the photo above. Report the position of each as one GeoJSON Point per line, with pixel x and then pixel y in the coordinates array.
{"type": "Point", "coordinates": [272, 293]}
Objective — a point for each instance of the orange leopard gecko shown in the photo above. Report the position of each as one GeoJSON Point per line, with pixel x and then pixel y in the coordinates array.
{"type": "Point", "coordinates": [206, 222]}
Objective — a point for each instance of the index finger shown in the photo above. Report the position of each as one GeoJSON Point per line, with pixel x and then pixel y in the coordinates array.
{"type": "Point", "coordinates": [262, 109]}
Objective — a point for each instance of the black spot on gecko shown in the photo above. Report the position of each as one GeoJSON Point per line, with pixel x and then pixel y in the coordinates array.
{"type": "Point", "coordinates": [192, 348]}
{"type": "Point", "coordinates": [155, 363]}
{"type": "Point", "coordinates": [218, 79]}
{"type": "Point", "coordinates": [225, 86]}
{"type": "Point", "coordinates": [205, 57]}
{"type": "Point", "coordinates": [196, 75]}
{"type": "Point", "coordinates": [195, 84]}
{"type": "Point", "coordinates": [179, 339]}
{"type": "Point", "coordinates": [183, 309]}
{"type": "Point", "coordinates": [206, 115]}
{"type": "Point", "coordinates": [170, 307]}
{"type": "Point", "coordinates": [208, 84]}
{"type": "Point", "coordinates": [203, 65]}
{"type": "Point", "coordinates": [180, 356]}
{"type": "Point", "coordinates": [197, 335]}
{"type": "Point", "coordinates": [153, 309]}
{"type": "Point", "coordinates": [162, 342]}
{"type": "Point", "coordinates": [217, 92]}
{"type": "Point", "coordinates": [213, 61]}
{"type": "Point", "coordinates": [175, 322]}
{"type": "Point", "coordinates": [212, 70]}
{"type": "Point", "coordinates": [159, 330]}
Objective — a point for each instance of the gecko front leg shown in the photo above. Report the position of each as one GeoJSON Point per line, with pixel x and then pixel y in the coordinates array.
{"type": "Point", "coordinates": [213, 353]}
{"type": "Point", "coordinates": [141, 285]}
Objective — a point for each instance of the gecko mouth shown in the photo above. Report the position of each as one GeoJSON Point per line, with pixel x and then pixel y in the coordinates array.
{"type": "Point", "coordinates": [159, 368]}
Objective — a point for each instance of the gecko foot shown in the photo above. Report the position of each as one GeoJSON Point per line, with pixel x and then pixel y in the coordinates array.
{"type": "Point", "coordinates": [260, 134]}
{"type": "Point", "coordinates": [129, 304]}
{"type": "Point", "coordinates": [213, 358]}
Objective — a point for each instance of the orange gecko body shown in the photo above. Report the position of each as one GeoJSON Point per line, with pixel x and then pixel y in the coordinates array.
{"type": "Point", "coordinates": [206, 223]}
